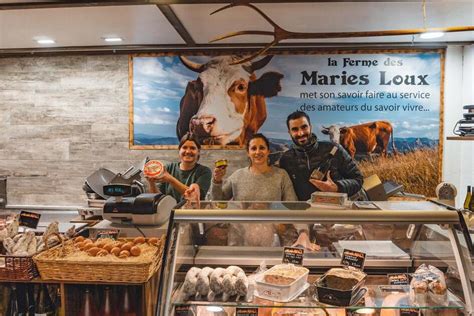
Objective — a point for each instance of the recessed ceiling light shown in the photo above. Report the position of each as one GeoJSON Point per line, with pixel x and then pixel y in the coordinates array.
{"type": "Point", "coordinates": [113, 39]}
{"type": "Point", "coordinates": [215, 309]}
{"type": "Point", "coordinates": [45, 41]}
{"type": "Point", "coordinates": [430, 35]}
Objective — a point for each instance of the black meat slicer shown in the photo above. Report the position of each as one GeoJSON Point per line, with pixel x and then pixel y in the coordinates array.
{"type": "Point", "coordinates": [465, 127]}
{"type": "Point", "coordinates": [144, 209]}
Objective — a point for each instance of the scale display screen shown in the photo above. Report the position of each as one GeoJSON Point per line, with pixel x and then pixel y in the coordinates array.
{"type": "Point", "coordinates": [117, 189]}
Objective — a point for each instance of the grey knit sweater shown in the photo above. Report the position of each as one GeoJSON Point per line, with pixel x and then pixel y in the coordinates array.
{"type": "Point", "coordinates": [243, 185]}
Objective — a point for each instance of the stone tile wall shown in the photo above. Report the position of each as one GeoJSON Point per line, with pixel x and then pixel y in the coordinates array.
{"type": "Point", "coordinates": [62, 118]}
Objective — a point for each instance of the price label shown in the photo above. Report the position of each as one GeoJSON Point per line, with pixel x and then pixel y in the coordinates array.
{"type": "Point", "coordinates": [409, 312]}
{"type": "Point", "coordinates": [245, 311]}
{"type": "Point", "coordinates": [29, 219]}
{"type": "Point", "coordinates": [107, 233]}
{"type": "Point", "coordinates": [398, 279]}
{"type": "Point", "coordinates": [352, 258]}
{"type": "Point", "coordinates": [183, 310]}
{"type": "Point", "coordinates": [293, 255]}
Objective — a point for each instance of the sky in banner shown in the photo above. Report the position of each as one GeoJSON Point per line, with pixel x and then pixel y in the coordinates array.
{"type": "Point", "coordinates": [366, 90]}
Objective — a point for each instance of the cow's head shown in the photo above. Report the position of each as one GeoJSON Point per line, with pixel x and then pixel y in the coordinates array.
{"type": "Point", "coordinates": [226, 103]}
{"type": "Point", "coordinates": [334, 132]}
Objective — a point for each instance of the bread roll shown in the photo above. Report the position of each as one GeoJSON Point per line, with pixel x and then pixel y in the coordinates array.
{"type": "Point", "coordinates": [93, 251]}
{"type": "Point", "coordinates": [139, 240]}
{"type": "Point", "coordinates": [127, 246]}
{"type": "Point", "coordinates": [135, 251]}
{"type": "Point", "coordinates": [124, 254]}
{"type": "Point", "coordinates": [115, 251]}
{"type": "Point", "coordinates": [79, 239]}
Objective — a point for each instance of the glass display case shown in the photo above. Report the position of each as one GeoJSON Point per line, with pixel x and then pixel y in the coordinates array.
{"type": "Point", "coordinates": [242, 241]}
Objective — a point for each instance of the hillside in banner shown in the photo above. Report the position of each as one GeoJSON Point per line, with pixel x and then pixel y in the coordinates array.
{"type": "Point", "coordinates": [403, 145]}
{"type": "Point", "coordinates": [146, 139]}
{"type": "Point", "coordinates": [416, 170]}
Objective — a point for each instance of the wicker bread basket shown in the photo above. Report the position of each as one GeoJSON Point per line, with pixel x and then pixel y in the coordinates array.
{"type": "Point", "coordinates": [17, 268]}
{"type": "Point", "coordinates": [13, 268]}
{"type": "Point", "coordinates": [66, 263]}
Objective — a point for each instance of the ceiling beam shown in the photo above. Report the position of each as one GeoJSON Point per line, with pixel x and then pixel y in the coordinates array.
{"type": "Point", "coordinates": [176, 23]}
{"type": "Point", "coordinates": [42, 4]}
{"type": "Point", "coordinates": [213, 48]}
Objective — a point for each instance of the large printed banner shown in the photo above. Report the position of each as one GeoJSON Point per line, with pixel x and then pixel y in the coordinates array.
{"type": "Point", "coordinates": [392, 97]}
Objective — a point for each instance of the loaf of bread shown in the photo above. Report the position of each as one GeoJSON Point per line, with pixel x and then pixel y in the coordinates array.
{"type": "Point", "coordinates": [343, 279]}
{"type": "Point", "coordinates": [284, 274]}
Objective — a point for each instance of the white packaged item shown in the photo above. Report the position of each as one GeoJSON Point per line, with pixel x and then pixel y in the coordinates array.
{"type": "Point", "coordinates": [428, 286]}
{"type": "Point", "coordinates": [282, 283]}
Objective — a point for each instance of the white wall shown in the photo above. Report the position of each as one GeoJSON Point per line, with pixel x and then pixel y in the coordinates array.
{"type": "Point", "coordinates": [61, 118]}
{"type": "Point", "coordinates": [459, 85]}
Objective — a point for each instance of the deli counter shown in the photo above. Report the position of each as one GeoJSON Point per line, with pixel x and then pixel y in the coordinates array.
{"type": "Point", "coordinates": [221, 258]}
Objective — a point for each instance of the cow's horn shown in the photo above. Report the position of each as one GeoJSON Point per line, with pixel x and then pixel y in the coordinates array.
{"type": "Point", "coordinates": [191, 65]}
{"type": "Point", "coordinates": [259, 64]}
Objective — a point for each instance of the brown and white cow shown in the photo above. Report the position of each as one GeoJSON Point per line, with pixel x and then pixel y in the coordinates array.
{"type": "Point", "coordinates": [364, 138]}
{"type": "Point", "coordinates": [226, 103]}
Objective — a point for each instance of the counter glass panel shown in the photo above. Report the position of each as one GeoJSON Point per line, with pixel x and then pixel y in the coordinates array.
{"type": "Point", "coordinates": [397, 238]}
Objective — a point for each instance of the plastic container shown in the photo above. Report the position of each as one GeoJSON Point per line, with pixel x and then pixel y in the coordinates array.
{"type": "Point", "coordinates": [154, 169]}
{"type": "Point", "coordinates": [281, 293]}
{"type": "Point", "coordinates": [335, 199]}
{"type": "Point", "coordinates": [337, 297]}
{"type": "Point", "coordinates": [221, 163]}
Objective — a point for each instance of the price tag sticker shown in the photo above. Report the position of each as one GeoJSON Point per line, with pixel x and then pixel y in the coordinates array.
{"type": "Point", "coordinates": [246, 311]}
{"type": "Point", "coordinates": [398, 279]}
{"type": "Point", "coordinates": [29, 219]}
{"type": "Point", "coordinates": [352, 258]}
{"type": "Point", "coordinates": [107, 233]}
{"type": "Point", "coordinates": [183, 310]}
{"type": "Point", "coordinates": [293, 255]}
{"type": "Point", "coordinates": [409, 312]}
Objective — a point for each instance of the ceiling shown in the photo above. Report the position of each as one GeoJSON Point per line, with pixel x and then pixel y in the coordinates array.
{"type": "Point", "coordinates": [187, 25]}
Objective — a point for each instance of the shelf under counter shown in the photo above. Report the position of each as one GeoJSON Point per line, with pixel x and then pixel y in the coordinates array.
{"type": "Point", "coordinates": [375, 298]}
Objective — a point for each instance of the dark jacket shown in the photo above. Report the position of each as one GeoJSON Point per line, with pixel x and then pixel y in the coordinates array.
{"type": "Point", "coordinates": [299, 163]}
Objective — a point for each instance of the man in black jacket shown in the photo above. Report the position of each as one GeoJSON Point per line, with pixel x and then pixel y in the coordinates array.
{"type": "Point", "coordinates": [307, 153]}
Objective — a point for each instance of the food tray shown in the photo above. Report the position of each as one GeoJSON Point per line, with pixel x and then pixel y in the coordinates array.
{"type": "Point", "coordinates": [280, 293]}
{"type": "Point", "coordinates": [337, 297]}
{"type": "Point", "coordinates": [354, 300]}
{"type": "Point", "coordinates": [291, 298]}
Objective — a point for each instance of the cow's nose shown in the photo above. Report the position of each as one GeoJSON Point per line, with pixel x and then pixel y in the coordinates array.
{"type": "Point", "coordinates": [207, 122]}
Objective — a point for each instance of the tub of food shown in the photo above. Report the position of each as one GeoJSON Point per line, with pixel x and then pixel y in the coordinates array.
{"type": "Point", "coordinates": [282, 283]}
{"type": "Point", "coordinates": [339, 286]}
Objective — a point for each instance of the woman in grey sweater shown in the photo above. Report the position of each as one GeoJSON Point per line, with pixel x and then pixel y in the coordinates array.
{"type": "Point", "coordinates": [258, 182]}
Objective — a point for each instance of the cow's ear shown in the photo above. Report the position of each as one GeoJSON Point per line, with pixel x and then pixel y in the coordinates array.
{"type": "Point", "coordinates": [268, 85]}
{"type": "Point", "coordinates": [325, 131]}
{"type": "Point", "coordinates": [343, 130]}
{"type": "Point", "coordinates": [373, 125]}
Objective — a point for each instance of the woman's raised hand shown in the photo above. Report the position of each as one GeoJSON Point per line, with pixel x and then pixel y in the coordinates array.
{"type": "Point", "coordinates": [218, 174]}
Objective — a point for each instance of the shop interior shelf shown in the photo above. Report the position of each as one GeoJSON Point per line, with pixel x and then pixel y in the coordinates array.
{"type": "Point", "coordinates": [376, 297]}
{"type": "Point", "coordinates": [245, 256]}
{"type": "Point", "coordinates": [471, 138]}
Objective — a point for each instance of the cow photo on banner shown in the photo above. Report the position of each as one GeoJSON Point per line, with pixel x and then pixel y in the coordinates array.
{"type": "Point", "coordinates": [384, 107]}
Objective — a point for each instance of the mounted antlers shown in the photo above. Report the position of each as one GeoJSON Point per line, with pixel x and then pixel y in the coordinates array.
{"type": "Point", "coordinates": [280, 34]}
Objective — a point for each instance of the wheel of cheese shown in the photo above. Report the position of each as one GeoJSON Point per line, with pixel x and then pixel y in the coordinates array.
{"type": "Point", "coordinates": [154, 169]}
{"type": "Point", "coordinates": [189, 285]}
{"type": "Point", "coordinates": [216, 279]}
{"type": "Point", "coordinates": [202, 283]}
